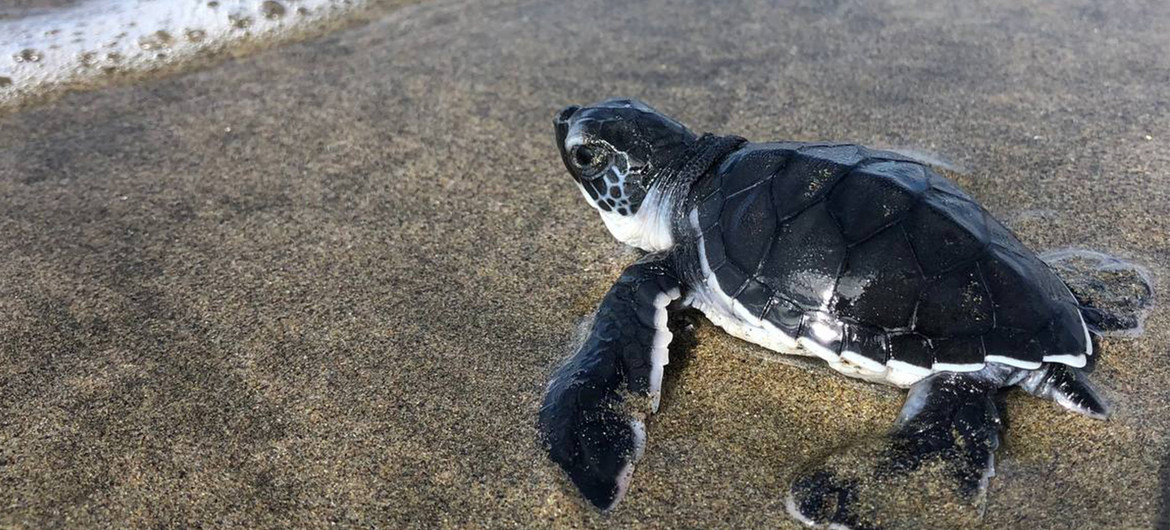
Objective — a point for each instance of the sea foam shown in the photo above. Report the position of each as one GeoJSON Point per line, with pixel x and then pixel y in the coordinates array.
{"type": "Point", "coordinates": [91, 41]}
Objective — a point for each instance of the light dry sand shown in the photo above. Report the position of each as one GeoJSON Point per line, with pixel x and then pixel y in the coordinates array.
{"type": "Point", "coordinates": [325, 285]}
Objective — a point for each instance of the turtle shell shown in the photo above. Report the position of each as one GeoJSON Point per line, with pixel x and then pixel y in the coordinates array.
{"type": "Point", "coordinates": [873, 257]}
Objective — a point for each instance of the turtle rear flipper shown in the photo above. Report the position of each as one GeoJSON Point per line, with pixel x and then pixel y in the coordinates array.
{"type": "Point", "coordinates": [589, 426]}
{"type": "Point", "coordinates": [949, 429]}
{"type": "Point", "coordinates": [1068, 388]}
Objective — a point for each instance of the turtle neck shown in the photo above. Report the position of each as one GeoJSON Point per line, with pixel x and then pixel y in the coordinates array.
{"type": "Point", "coordinates": [652, 228]}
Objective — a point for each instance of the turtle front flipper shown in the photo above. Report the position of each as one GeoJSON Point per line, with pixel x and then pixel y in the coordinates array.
{"type": "Point", "coordinates": [589, 421]}
{"type": "Point", "coordinates": [947, 433]}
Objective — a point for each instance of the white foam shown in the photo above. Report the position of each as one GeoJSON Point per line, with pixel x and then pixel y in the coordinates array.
{"type": "Point", "coordinates": [87, 42]}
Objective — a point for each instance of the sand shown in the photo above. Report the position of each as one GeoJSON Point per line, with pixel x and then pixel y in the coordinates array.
{"type": "Point", "coordinates": [324, 285]}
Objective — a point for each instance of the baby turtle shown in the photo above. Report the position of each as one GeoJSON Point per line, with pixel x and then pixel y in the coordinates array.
{"type": "Point", "coordinates": [866, 259]}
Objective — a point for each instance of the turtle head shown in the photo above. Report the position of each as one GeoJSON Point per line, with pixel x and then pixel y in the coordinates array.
{"type": "Point", "coordinates": [616, 151]}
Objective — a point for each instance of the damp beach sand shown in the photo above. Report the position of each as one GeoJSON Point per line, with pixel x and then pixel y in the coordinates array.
{"type": "Point", "coordinates": [324, 284]}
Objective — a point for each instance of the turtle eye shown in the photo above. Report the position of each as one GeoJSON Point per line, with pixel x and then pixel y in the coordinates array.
{"type": "Point", "coordinates": [584, 156]}
{"type": "Point", "coordinates": [590, 161]}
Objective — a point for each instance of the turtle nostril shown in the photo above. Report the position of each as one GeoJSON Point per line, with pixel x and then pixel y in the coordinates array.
{"type": "Point", "coordinates": [567, 113]}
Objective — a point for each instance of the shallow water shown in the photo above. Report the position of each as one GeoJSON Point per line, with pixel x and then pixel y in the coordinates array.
{"type": "Point", "coordinates": [49, 46]}
{"type": "Point", "coordinates": [1119, 294]}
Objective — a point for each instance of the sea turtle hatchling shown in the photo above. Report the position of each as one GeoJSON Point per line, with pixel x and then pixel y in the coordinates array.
{"type": "Point", "coordinates": [866, 259]}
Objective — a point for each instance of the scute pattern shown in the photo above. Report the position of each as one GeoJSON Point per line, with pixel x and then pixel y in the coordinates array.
{"type": "Point", "coordinates": [750, 216]}
{"type": "Point", "coordinates": [742, 169]}
{"type": "Point", "coordinates": [961, 353]}
{"type": "Point", "coordinates": [754, 296]}
{"type": "Point", "coordinates": [951, 230]}
{"type": "Point", "coordinates": [811, 173]}
{"type": "Point", "coordinates": [912, 349]}
{"type": "Point", "coordinates": [879, 259]}
{"type": "Point", "coordinates": [786, 316]}
{"type": "Point", "coordinates": [807, 277]}
{"type": "Point", "coordinates": [955, 304]}
{"type": "Point", "coordinates": [875, 196]}
{"type": "Point", "coordinates": [824, 330]}
{"type": "Point", "coordinates": [869, 342]}
{"type": "Point", "coordinates": [881, 281]}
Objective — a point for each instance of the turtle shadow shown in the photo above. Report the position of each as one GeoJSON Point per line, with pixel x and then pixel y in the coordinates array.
{"type": "Point", "coordinates": [683, 324]}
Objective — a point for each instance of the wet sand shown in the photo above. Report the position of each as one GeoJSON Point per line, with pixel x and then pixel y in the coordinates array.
{"type": "Point", "coordinates": [325, 284]}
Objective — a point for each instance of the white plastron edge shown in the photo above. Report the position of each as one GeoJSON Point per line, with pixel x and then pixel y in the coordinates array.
{"type": "Point", "coordinates": [863, 361]}
{"type": "Point", "coordinates": [954, 367]}
{"type": "Point", "coordinates": [1027, 365]}
{"type": "Point", "coordinates": [722, 308]}
{"type": "Point", "coordinates": [904, 374]}
{"type": "Point", "coordinates": [1075, 361]}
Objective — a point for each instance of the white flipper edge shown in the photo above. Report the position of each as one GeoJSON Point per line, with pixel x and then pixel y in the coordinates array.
{"type": "Point", "coordinates": [659, 351]}
{"type": "Point", "coordinates": [627, 472]}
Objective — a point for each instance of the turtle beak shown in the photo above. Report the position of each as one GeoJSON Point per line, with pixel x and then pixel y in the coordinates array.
{"type": "Point", "coordinates": [562, 122]}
